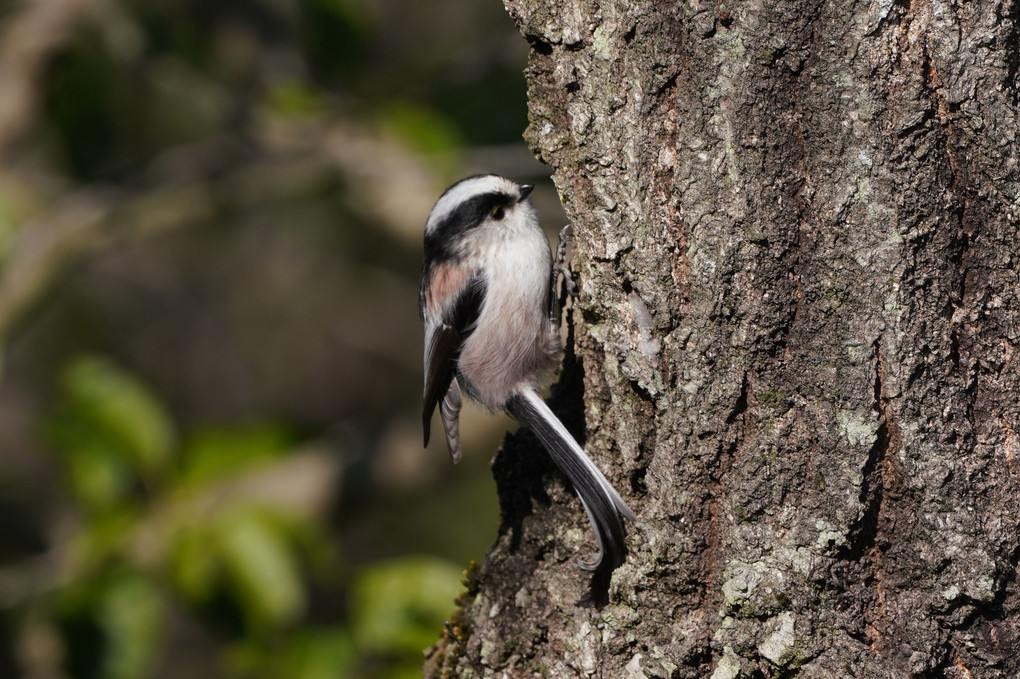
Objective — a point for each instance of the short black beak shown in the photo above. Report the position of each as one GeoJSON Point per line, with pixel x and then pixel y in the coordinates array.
{"type": "Point", "coordinates": [525, 190]}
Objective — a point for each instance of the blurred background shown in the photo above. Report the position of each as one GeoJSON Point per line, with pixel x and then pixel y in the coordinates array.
{"type": "Point", "coordinates": [210, 353]}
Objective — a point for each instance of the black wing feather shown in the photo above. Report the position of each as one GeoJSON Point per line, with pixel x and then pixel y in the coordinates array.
{"type": "Point", "coordinates": [446, 342]}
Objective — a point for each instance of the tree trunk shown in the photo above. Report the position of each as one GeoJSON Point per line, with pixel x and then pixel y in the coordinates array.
{"type": "Point", "coordinates": [796, 340]}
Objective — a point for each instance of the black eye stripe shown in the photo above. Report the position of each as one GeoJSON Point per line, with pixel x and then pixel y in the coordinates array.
{"type": "Point", "coordinates": [467, 215]}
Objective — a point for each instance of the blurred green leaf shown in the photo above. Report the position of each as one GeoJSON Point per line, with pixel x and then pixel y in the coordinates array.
{"type": "Point", "coordinates": [99, 477]}
{"type": "Point", "coordinates": [318, 654]}
{"type": "Point", "coordinates": [324, 653]}
{"type": "Point", "coordinates": [119, 408]}
{"type": "Point", "coordinates": [101, 540]}
{"type": "Point", "coordinates": [112, 624]}
{"type": "Point", "coordinates": [217, 452]}
{"type": "Point", "coordinates": [294, 100]}
{"type": "Point", "coordinates": [262, 568]}
{"type": "Point", "coordinates": [407, 670]}
{"type": "Point", "coordinates": [131, 613]}
{"type": "Point", "coordinates": [193, 565]}
{"type": "Point", "coordinates": [399, 605]}
{"type": "Point", "coordinates": [420, 127]}
{"type": "Point", "coordinates": [309, 538]}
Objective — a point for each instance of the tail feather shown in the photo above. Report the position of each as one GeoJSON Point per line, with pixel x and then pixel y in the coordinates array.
{"type": "Point", "coordinates": [604, 506]}
{"type": "Point", "coordinates": [450, 412]}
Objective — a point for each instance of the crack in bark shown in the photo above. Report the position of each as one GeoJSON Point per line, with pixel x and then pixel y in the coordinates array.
{"type": "Point", "coordinates": [1012, 79]}
{"type": "Point", "coordinates": [879, 479]}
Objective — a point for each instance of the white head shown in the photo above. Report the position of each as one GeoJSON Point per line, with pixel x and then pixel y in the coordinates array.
{"type": "Point", "coordinates": [478, 201]}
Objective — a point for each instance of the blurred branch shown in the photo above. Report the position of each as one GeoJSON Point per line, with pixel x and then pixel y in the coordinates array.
{"type": "Point", "coordinates": [44, 245]}
{"type": "Point", "coordinates": [181, 189]}
{"type": "Point", "coordinates": [85, 221]}
{"type": "Point", "coordinates": [396, 186]}
{"type": "Point", "coordinates": [195, 183]}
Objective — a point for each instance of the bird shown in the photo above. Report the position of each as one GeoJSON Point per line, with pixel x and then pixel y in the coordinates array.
{"type": "Point", "coordinates": [492, 332]}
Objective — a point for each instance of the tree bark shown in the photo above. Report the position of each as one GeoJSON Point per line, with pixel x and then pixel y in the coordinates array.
{"type": "Point", "coordinates": [796, 345]}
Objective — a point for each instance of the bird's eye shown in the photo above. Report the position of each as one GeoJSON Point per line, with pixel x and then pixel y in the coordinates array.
{"type": "Point", "coordinates": [497, 212]}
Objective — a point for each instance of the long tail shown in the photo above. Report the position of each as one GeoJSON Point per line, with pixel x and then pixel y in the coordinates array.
{"type": "Point", "coordinates": [604, 506]}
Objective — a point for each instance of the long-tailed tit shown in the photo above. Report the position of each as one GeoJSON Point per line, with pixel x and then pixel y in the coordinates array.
{"type": "Point", "coordinates": [486, 304]}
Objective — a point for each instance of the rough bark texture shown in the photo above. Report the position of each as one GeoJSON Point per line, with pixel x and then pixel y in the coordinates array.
{"type": "Point", "coordinates": [797, 345]}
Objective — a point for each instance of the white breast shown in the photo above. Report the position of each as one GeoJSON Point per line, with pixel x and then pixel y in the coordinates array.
{"type": "Point", "coordinates": [514, 345]}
